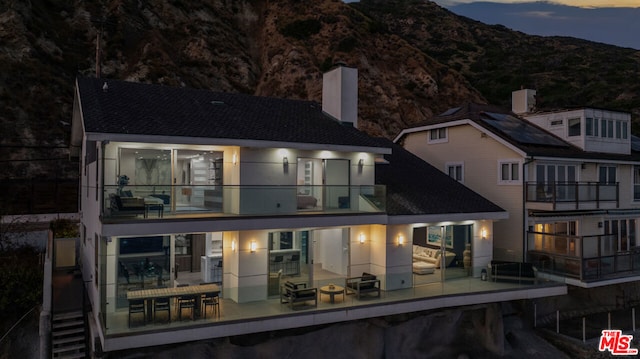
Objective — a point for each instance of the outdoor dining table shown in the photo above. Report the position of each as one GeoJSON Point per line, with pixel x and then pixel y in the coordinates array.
{"type": "Point", "coordinates": [149, 294]}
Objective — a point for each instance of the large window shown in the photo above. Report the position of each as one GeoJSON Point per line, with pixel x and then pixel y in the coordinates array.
{"type": "Point", "coordinates": [557, 179]}
{"type": "Point", "coordinates": [142, 262]}
{"type": "Point", "coordinates": [509, 171]}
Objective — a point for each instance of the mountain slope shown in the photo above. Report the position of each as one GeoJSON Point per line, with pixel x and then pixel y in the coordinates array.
{"type": "Point", "coordinates": [495, 60]}
{"type": "Point", "coordinates": [414, 59]}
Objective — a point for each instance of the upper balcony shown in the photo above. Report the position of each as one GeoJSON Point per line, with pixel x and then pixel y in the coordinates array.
{"type": "Point", "coordinates": [584, 258]}
{"type": "Point", "coordinates": [152, 202]}
{"type": "Point", "coordinates": [553, 196]}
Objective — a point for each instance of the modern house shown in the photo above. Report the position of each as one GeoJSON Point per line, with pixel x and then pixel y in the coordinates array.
{"type": "Point", "coordinates": [568, 178]}
{"type": "Point", "coordinates": [181, 187]}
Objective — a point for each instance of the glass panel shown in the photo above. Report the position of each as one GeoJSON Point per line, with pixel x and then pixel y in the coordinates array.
{"type": "Point", "coordinates": [142, 262]}
{"type": "Point", "coordinates": [515, 172]}
{"type": "Point", "coordinates": [574, 127]}
{"type": "Point", "coordinates": [504, 172]}
{"type": "Point", "coordinates": [595, 127]}
{"type": "Point", "coordinates": [632, 233]}
{"type": "Point", "coordinates": [458, 252]}
{"type": "Point", "coordinates": [618, 129]}
{"type": "Point", "coordinates": [609, 128]}
{"type": "Point", "coordinates": [612, 175]}
{"type": "Point", "coordinates": [589, 126]}
{"type": "Point", "coordinates": [603, 127]}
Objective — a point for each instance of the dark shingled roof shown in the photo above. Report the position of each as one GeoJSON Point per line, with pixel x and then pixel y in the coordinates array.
{"type": "Point", "coordinates": [485, 116]}
{"type": "Point", "coordinates": [415, 187]}
{"type": "Point", "coordinates": [144, 109]}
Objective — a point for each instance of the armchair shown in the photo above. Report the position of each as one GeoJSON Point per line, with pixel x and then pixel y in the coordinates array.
{"type": "Point", "coordinates": [298, 293]}
{"type": "Point", "coordinates": [365, 284]}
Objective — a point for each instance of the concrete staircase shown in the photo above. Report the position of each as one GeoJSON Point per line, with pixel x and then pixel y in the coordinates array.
{"type": "Point", "coordinates": [68, 338]}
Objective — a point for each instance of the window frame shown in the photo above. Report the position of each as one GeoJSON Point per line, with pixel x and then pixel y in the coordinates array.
{"type": "Point", "coordinates": [635, 183]}
{"type": "Point", "coordinates": [607, 174]}
{"type": "Point", "coordinates": [455, 165]}
{"type": "Point", "coordinates": [438, 135]}
{"type": "Point", "coordinates": [510, 163]}
{"type": "Point", "coordinates": [571, 127]}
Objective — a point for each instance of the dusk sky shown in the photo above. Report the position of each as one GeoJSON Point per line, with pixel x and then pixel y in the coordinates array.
{"type": "Point", "coordinates": [616, 23]}
{"type": "Point", "coordinates": [580, 3]}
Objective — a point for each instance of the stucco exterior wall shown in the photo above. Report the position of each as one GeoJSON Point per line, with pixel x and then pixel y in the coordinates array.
{"type": "Point", "coordinates": [480, 155]}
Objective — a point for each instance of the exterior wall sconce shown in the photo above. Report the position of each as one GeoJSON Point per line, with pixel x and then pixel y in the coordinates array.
{"type": "Point", "coordinates": [483, 233]}
{"type": "Point", "coordinates": [254, 246]}
{"type": "Point", "coordinates": [234, 159]}
{"type": "Point", "coordinates": [285, 161]}
{"type": "Point", "coordinates": [233, 245]}
{"type": "Point", "coordinates": [400, 240]}
{"type": "Point", "coordinates": [599, 224]}
{"type": "Point", "coordinates": [361, 238]}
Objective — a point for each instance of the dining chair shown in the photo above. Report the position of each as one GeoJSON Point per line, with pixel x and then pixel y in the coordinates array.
{"type": "Point", "coordinates": [162, 304]}
{"type": "Point", "coordinates": [211, 299]}
{"type": "Point", "coordinates": [187, 302]}
{"type": "Point", "coordinates": [136, 306]}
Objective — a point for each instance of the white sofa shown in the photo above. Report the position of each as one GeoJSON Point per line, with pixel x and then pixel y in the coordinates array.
{"type": "Point", "coordinates": [429, 255]}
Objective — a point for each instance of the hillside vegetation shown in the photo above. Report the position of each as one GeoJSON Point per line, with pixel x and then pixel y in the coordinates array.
{"type": "Point", "coordinates": [415, 59]}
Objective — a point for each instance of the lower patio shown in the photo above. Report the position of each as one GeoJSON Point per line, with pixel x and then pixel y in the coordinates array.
{"type": "Point", "coordinates": [271, 314]}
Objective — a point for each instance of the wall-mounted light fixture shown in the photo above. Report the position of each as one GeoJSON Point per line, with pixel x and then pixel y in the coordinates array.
{"type": "Point", "coordinates": [361, 238]}
{"type": "Point", "coordinates": [233, 245]}
{"type": "Point", "coordinates": [483, 233]}
{"type": "Point", "coordinates": [285, 161]}
{"type": "Point", "coordinates": [400, 240]}
{"type": "Point", "coordinates": [599, 224]}
{"type": "Point", "coordinates": [254, 246]}
{"type": "Point", "coordinates": [234, 159]}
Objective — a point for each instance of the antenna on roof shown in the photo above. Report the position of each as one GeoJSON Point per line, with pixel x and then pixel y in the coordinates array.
{"type": "Point", "coordinates": [99, 22]}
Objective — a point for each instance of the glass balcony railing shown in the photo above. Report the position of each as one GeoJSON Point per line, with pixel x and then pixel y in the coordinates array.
{"type": "Point", "coordinates": [141, 202]}
{"type": "Point", "coordinates": [572, 192]}
{"type": "Point", "coordinates": [582, 257]}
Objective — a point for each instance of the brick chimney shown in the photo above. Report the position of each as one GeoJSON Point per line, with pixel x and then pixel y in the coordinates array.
{"type": "Point", "coordinates": [340, 94]}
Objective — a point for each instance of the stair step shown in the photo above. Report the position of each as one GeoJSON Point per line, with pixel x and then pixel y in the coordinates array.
{"type": "Point", "coordinates": [59, 333]}
{"type": "Point", "coordinates": [68, 348]}
{"type": "Point", "coordinates": [71, 356]}
{"type": "Point", "coordinates": [68, 315]}
{"type": "Point", "coordinates": [77, 338]}
{"type": "Point", "coordinates": [68, 323]}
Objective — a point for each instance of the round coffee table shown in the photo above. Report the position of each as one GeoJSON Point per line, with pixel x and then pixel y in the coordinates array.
{"type": "Point", "coordinates": [332, 291]}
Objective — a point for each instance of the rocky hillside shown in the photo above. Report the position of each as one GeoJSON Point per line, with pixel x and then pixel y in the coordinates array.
{"type": "Point", "coordinates": [414, 59]}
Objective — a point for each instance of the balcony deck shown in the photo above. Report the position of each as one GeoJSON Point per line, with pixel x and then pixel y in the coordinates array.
{"type": "Point", "coordinates": [583, 259]}
{"type": "Point", "coordinates": [141, 203]}
{"type": "Point", "coordinates": [270, 315]}
{"type": "Point", "coordinates": [551, 196]}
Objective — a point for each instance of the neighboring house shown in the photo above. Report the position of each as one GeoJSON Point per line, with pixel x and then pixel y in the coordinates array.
{"type": "Point", "coordinates": [570, 180]}
{"type": "Point", "coordinates": [182, 186]}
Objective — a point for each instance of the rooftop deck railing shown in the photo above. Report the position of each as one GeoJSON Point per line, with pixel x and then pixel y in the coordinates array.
{"type": "Point", "coordinates": [152, 202]}
{"type": "Point", "coordinates": [572, 192]}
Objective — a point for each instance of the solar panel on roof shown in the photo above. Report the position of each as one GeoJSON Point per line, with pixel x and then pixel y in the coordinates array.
{"type": "Point", "coordinates": [521, 130]}
{"type": "Point", "coordinates": [450, 111]}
